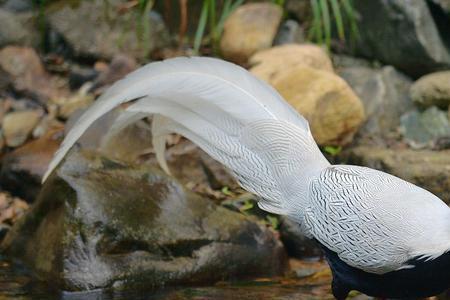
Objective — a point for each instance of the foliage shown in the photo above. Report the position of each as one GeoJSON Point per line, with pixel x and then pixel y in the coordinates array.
{"type": "Point", "coordinates": [333, 151]}
{"type": "Point", "coordinates": [323, 11]}
{"type": "Point", "coordinates": [209, 15]}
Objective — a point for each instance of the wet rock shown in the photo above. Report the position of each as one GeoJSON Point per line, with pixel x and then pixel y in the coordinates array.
{"type": "Point", "coordinates": [100, 224]}
{"type": "Point", "coordinates": [268, 64]}
{"type": "Point", "coordinates": [295, 242]}
{"type": "Point", "coordinates": [432, 89]}
{"type": "Point", "coordinates": [385, 95]}
{"type": "Point", "coordinates": [417, 48]}
{"type": "Point", "coordinates": [27, 73]}
{"type": "Point", "coordinates": [18, 29]}
{"type": "Point", "coordinates": [428, 169]}
{"type": "Point", "coordinates": [250, 28]}
{"type": "Point", "coordinates": [333, 110]}
{"type": "Point", "coordinates": [421, 129]}
{"type": "Point", "coordinates": [289, 32]}
{"type": "Point", "coordinates": [17, 126]}
{"type": "Point", "coordinates": [22, 169]}
{"type": "Point", "coordinates": [116, 30]}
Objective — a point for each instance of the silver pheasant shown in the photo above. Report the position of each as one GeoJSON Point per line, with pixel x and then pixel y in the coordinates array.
{"type": "Point", "coordinates": [369, 223]}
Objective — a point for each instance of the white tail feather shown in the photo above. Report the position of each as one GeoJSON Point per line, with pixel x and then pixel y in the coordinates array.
{"type": "Point", "coordinates": [237, 119]}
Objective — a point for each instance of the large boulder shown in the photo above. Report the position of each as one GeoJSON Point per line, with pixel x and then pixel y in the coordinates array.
{"type": "Point", "coordinates": [385, 95]}
{"type": "Point", "coordinates": [333, 110]}
{"type": "Point", "coordinates": [250, 28]}
{"type": "Point", "coordinates": [116, 30]}
{"type": "Point", "coordinates": [432, 89]}
{"type": "Point", "coordinates": [402, 34]}
{"type": "Point", "coordinates": [101, 224]}
{"type": "Point", "coordinates": [267, 64]}
{"type": "Point", "coordinates": [425, 168]}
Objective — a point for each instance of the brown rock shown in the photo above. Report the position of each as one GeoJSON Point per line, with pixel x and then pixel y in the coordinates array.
{"type": "Point", "coordinates": [425, 168]}
{"type": "Point", "coordinates": [250, 28]}
{"type": "Point", "coordinates": [17, 126]}
{"type": "Point", "coordinates": [23, 168]}
{"type": "Point", "coordinates": [27, 72]}
{"type": "Point", "coordinates": [11, 208]}
{"type": "Point", "coordinates": [267, 64]}
{"type": "Point", "coordinates": [333, 110]}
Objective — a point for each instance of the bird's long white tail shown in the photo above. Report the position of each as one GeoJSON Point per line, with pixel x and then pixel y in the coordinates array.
{"type": "Point", "coordinates": [237, 119]}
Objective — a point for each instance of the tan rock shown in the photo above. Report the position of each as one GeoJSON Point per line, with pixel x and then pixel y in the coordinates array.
{"type": "Point", "coordinates": [17, 126]}
{"type": "Point", "coordinates": [333, 110]}
{"type": "Point", "coordinates": [67, 106]}
{"type": "Point", "coordinates": [432, 89]}
{"type": "Point", "coordinates": [250, 28]}
{"type": "Point", "coordinates": [266, 64]}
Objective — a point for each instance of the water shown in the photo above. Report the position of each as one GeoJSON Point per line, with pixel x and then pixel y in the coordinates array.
{"type": "Point", "coordinates": [312, 282]}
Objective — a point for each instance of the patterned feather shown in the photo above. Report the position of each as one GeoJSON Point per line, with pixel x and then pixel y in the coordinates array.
{"type": "Point", "coordinates": [371, 220]}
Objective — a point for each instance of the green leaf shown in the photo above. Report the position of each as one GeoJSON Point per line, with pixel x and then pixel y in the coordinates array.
{"type": "Point", "coordinates": [326, 21]}
{"type": "Point", "coordinates": [348, 8]}
{"type": "Point", "coordinates": [201, 26]}
{"type": "Point", "coordinates": [338, 16]}
{"type": "Point", "coordinates": [226, 191]}
{"type": "Point", "coordinates": [228, 8]}
{"type": "Point", "coordinates": [333, 151]}
{"type": "Point", "coordinates": [247, 206]}
{"type": "Point", "coordinates": [273, 221]}
{"type": "Point", "coordinates": [317, 24]}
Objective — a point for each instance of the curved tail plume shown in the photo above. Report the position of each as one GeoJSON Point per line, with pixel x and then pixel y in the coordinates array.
{"type": "Point", "coordinates": [237, 119]}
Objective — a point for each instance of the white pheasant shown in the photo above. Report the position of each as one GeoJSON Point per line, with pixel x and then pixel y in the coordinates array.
{"type": "Point", "coordinates": [381, 235]}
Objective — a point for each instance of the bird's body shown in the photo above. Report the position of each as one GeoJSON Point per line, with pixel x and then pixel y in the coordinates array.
{"type": "Point", "coordinates": [380, 234]}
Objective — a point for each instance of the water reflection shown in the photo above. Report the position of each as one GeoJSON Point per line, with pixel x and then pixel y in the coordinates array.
{"type": "Point", "coordinates": [16, 284]}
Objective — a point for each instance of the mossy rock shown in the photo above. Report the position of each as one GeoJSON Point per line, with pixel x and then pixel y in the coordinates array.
{"type": "Point", "coordinates": [101, 224]}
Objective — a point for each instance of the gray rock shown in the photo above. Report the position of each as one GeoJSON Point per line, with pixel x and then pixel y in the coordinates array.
{"type": "Point", "coordinates": [289, 32]}
{"type": "Point", "coordinates": [101, 224]}
{"type": "Point", "coordinates": [115, 33]}
{"type": "Point", "coordinates": [421, 129]}
{"type": "Point", "coordinates": [402, 34]}
{"type": "Point", "coordinates": [385, 95]}
{"type": "Point", "coordinates": [18, 29]}
{"type": "Point", "coordinates": [425, 168]}
{"type": "Point", "coordinates": [18, 5]}
{"type": "Point", "coordinates": [432, 89]}
{"type": "Point", "coordinates": [295, 242]}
